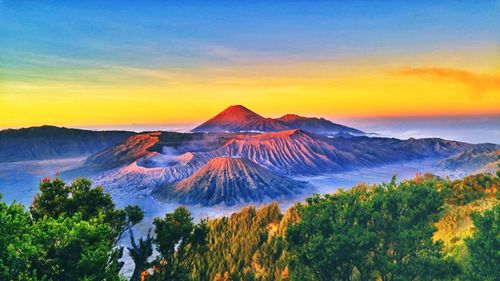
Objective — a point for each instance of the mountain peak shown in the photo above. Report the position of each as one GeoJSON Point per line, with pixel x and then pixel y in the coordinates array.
{"type": "Point", "coordinates": [290, 117]}
{"type": "Point", "coordinates": [236, 112]}
{"type": "Point", "coordinates": [237, 118]}
{"type": "Point", "coordinates": [237, 107]}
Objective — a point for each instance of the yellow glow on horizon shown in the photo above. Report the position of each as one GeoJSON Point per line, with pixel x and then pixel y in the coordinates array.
{"type": "Point", "coordinates": [138, 96]}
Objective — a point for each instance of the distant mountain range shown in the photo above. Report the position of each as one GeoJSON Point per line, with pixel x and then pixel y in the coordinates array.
{"type": "Point", "coordinates": [282, 154]}
{"type": "Point", "coordinates": [237, 156]}
{"type": "Point", "coordinates": [48, 142]}
{"type": "Point", "coordinates": [483, 158]}
{"type": "Point", "coordinates": [238, 118]}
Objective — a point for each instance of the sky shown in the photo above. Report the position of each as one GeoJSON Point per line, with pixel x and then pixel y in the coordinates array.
{"type": "Point", "coordinates": [147, 63]}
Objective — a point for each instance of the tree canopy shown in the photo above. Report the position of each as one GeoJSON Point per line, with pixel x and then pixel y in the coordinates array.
{"type": "Point", "coordinates": [70, 232]}
{"type": "Point", "coordinates": [380, 232]}
{"type": "Point", "coordinates": [384, 231]}
{"type": "Point", "coordinates": [484, 246]}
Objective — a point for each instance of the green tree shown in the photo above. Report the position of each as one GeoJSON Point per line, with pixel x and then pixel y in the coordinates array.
{"type": "Point", "coordinates": [179, 241]}
{"type": "Point", "coordinates": [76, 249]}
{"type": "Point", "coordinates": [71, 232]}
{"type": "Point", "coordinates": [403, 221]}
{"type": "Point", "coordinates": [484, 246]}
{"type": "Point", "coordinates": [332, 239]}
{"type": "Point", "coordinates": [56, 199]}
{"type": "Point", "coordinates": [379, 232]}
{"type": "Point", "coordinates": [17, 248]}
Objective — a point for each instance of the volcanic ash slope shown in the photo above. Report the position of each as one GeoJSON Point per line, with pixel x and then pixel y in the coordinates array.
{"type": "Point", "coordinates": [229, 181]}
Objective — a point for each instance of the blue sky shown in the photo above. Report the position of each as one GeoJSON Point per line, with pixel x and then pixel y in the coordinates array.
{"type": "Point", "coordinates": [189, 33]}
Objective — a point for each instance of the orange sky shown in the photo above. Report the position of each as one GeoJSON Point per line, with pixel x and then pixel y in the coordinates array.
{"type": "Point", "coordinates": [163, 96]}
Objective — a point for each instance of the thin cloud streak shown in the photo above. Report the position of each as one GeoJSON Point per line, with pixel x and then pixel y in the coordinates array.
{"type": "Point", "coordinates": [478, 82]}
{"type": "Point", "coordinates": [42, 69]}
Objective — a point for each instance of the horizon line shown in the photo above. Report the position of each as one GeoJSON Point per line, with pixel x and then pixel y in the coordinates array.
{"type": "Point", "coordinates": [108, 126]}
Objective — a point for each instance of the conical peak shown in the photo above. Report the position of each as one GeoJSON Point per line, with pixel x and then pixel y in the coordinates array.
{"type": "Point", "coordinates": [237, 107]}
{"type": "Point", "coordinates": [237, 113]}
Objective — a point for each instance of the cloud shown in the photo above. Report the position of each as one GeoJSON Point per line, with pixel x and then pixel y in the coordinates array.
{"type": "Point", "coordinates": [478, 82]}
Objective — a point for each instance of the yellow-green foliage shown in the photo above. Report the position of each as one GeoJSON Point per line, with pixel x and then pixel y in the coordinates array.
{"type": "Point", "coordinates": [249, 245]}
{"type": "Point", "coordinates": [471, 194]}
{"type": "Point", "coordinates": [468, 189]}
{"type": "Point", "coordinates": [456, 223]}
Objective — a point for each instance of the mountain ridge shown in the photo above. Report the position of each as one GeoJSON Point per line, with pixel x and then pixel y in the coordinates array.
{"type": "Point", "coordinates": [52, 142]}
{"type": "Point", "coordinates": [316, 125]}
{"type": "Point", "coordinates": [482, 158]}
{"type": "Point", "coordinates": [286, 152]}
{"type": "Point", "coordinates": [237, 118]}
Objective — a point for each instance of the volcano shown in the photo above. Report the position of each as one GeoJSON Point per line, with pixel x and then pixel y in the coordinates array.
{"type": "Point", "coordinates": [238, 118]}
{"type": "Point", "coordinates": [229, 181]}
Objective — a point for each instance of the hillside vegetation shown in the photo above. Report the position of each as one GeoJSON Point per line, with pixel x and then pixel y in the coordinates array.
{"type": "Point", "coordinates": [422, 229]}
{"type": "Point", "coordinates": [337, 237]}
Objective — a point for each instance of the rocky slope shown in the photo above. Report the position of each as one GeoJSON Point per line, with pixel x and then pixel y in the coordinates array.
{"type": "Point", "coordinates": [133, 148]}
{"type": "Point", "coordinates": [153, 150]}
{"type": "Point", "coordinates": [228, 180]}
{"type": "Point", "coordinates": [288, 152]}
{"type": "Point", "coordinates": [149, 160]}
